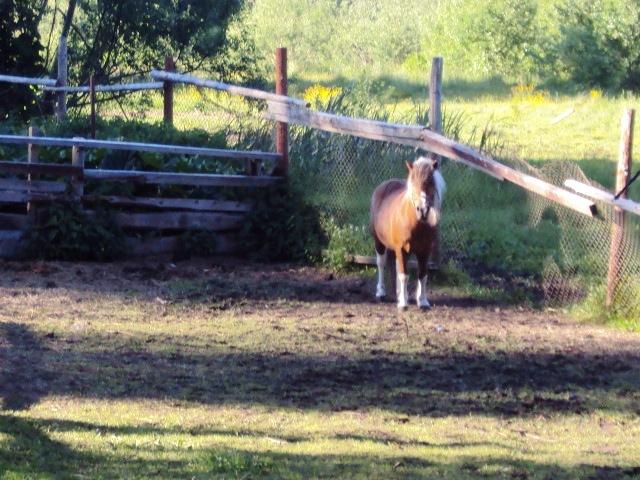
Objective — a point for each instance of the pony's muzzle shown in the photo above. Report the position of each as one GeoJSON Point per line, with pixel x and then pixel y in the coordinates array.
{"type": "Point", "coordinates": [422, 212]}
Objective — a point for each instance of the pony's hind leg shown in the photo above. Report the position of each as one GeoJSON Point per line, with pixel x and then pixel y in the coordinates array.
{"type": "Point", "coordinates": [421, 290]}
{"type": "Point", "coordinates": [381, 260]}
{"type": "Point", "coordinates": [403, 278]}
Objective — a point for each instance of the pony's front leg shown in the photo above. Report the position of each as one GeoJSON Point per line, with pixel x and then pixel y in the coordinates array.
{"type": "Point", "coordinates": [403, 278]}
{"type": "Point", "coordinates": [421, 290]}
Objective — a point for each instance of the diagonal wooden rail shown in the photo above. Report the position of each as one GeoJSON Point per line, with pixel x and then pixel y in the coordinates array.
{"type": "Point", "coordinates": [421, 137]}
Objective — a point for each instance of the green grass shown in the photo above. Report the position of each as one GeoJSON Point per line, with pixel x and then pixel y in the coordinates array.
{"type": "Point", "coordinates": [199, 371]}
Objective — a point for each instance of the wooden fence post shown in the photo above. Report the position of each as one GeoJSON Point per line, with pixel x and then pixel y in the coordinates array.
{"type": "Point", "coordinates": [32, 157]}
{"type": "Point", "coordinates": [617, 229]}
{"type": "Point", "coordinates": [282, 128]}
{"type": "Point", "coordinates": [92, 99]}
{"type": "Point", "coordinates": [435, 124]}
{"type": "Point", "coordinates": [77, 181]}
{"type": "Point", "coordinates": [169, 66]}
{"type": "Point", "coordinates": [61, 104]}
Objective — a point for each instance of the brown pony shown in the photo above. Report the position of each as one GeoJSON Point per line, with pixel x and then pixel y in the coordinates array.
{"type": "Point", "coordinates": [404, 220]}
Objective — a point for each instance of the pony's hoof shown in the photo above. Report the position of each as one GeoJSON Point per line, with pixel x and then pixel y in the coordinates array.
{"type": "Point", "coordinates": [402, 307]}
{"type": "Point", "coordinates": [381, 298]}
{"type": "Point", "coordinates": [424, 306]}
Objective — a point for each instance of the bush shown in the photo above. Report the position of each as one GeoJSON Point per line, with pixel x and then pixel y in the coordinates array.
{"type": "Point", "coordinates": [600, 43]}
{"type": "Point", "coordinates": [282, 226]}
{"type": "Point", "coordinates": [65, 232]}
{"type": "Point", "coordinates": [510, 37]}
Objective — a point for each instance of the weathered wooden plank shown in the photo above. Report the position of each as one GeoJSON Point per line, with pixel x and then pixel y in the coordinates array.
{"type": "Point", "coordinates": [171, 203]}
{"type": "Point", "coordinates": [9, 243]}
{"type": "Point", "coordinates": [10, 196]}
{"type": "Point", "coordinates": [40, 168]}
{"type": "Point", "coordinates": [179, 221]}
{"type": "Point", "coordinates": [122, 87]}
{"type": "Point", "coordinates": [370, 260]}
{"type": "Point", "coordinates": [14, 221]}
{"type": "Point", "coordinates": [424, 138]}
{"type": "Point", "coordinates": [603, 196]}
{"type": "Point", "coordinates": [233, 89]}
{"type": "Point", "coordinates": [136, 247]}
{"type": "Point", "coordinates": [28, 80]}
{"type": "Point", "coordinates": [140, 147]}
{"type": "Point", "coordinates": [193, 179]}
{"type": "Point", "coordinates": [34, 185]}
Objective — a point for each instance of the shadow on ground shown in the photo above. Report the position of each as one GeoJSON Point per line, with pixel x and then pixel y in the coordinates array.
{"type": "Point", "coordinates": [436, 382]}
{"type": "Point", "coordinates": [30, 451]}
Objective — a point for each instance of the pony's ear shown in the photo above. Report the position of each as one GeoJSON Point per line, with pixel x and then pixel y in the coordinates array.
{"type": "Point", "coordinates": [409, 166]}
{"type": "Point", "coordinates": [435, 163]}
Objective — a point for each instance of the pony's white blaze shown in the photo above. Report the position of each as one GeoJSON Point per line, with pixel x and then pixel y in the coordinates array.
{"type": "Point", "coordinates": [381, 292]}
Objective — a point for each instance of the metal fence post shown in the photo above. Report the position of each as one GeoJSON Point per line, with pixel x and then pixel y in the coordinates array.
{"type": "Point", "coordinates": [92, 99]}
{"type": "Point", "coordinates": [77, 181]}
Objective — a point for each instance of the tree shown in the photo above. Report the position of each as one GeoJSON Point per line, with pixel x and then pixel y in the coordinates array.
{"type": "Point", "coordinates": [116, 40]}
{"type": "Point", "coordinates": [20, 54]}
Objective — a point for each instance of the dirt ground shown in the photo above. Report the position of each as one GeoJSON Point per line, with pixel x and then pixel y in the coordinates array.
{"type": "Point", "coordinates": [316, 340]}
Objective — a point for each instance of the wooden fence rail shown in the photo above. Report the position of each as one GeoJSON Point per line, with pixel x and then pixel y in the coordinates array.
{"type": "Point", "coordinates": [225, 87]}
{"type": "Point", "coordinates": [122, 87]}
{"type": "Point", "coordinates": [139, 147]}
{"type": "Point", "coordinates": [421, 137]}
{"type": "Point", "coordinates": [49, 82]}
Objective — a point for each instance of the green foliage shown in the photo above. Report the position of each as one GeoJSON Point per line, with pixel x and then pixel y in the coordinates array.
{"type": "Point", "coordinates": [119, 39]}
{"type": "Point", "coordinates": [64, 232]}
{"type": "Point", "coordinates": [282, 226]}
{"type": "Point", "coordinates": [20, 54]}
{"type": "Point", "coordinates": [344, 241]}
{"type": "Point", "coordinates": [510, 37]}
{"type": "Point", "coordinates": [600, 43]}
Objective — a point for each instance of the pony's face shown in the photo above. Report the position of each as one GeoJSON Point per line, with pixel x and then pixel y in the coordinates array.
{"type": "Point", "coordinates": [425, 188]}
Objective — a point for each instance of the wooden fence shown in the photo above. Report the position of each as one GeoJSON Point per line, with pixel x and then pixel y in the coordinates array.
{"type": "Point", "coordinates": [135, 214]}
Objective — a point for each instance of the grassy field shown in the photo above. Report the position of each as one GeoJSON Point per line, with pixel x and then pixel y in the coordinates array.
{"type": "Point", "coordinates": [209, 369]}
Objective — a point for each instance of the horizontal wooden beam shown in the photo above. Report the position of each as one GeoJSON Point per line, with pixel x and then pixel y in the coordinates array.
{"type": "Point", "coordinates": [233, 89]}
{"type": "Point", "coordinates": [171, 203]}
{"type": "Point", "coordinates": [370, 260]}
{"type": "Point", "coordinates": [10, 196]}
{"type": "Point", "coordinates": [139, 147]}
{"type": "Point", "coordinates": [424, 138]}
{"type": "Point", "coordinates": [40, 168]}
{"type": "Point", "coordinates": [179, 221]}
{"type": "Point", "coordinates": [33, 185]}
{"type": "Point", "coordinates": [28, 80]}
{"type": "Point", "coordinates": [9, 243]}
{"type": "Point", "coordinates": [123, 87]}
{"type": "Point", "coordinates": [603, 196]}
{"type": "Point", "coordinates": [193, 179]}
{"type": "Point", "coordinates": [225, 243]}
{"type": "Point", "coordinates": [14, 221]}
